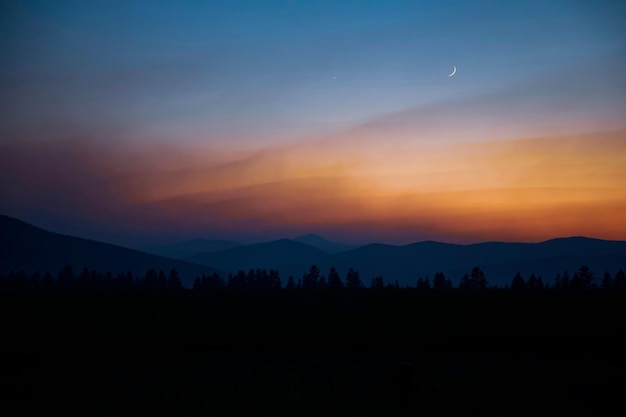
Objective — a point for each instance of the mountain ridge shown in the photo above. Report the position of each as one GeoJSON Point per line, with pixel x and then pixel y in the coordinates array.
{"type": "Point", "coordinates": [25, 246]}
{"type": "Point", "coordinates": [29, 248]}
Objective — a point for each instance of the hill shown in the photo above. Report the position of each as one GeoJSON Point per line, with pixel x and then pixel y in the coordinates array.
{"type": "Point", "coordinates": [288, 256]}
{"type": "Point", "coordinates": [499, 260]}
{"type": "Point", "coordinates": [190, 247]}
{"type": "Point", "coordinates": [26, 247]}
{"type": "Point", "coordinates": [29, 248]}
{"type": "Point", "coordinates": [322, 244]}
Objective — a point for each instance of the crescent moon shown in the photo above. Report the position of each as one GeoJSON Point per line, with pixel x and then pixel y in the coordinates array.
{"type": "Point", "coordinates": [453, 72]}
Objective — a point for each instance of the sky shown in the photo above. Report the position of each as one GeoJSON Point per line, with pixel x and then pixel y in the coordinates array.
{"type": "Point", "coordinates": [144, 121]}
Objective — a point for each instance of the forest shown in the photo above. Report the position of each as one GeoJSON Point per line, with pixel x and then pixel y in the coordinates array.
{"type": "Point", "coordinates": [261, 279]}
{"type": "Point", "coordinates": [93, 343]}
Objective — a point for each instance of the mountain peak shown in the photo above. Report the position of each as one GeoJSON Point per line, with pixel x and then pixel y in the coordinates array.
{"type": "Point", "coordinates": [310, 236]}
{"type": "Point", "coordinates": [323, 244]}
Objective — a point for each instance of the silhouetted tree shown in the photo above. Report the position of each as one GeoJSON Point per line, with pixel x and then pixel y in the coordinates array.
{"type": "Point", "coordinates": [209, 282]}
{"type": "Point", "coordinates": [607, 281]}
{"type": "Point", "coordinates": [562, 282]}
{"type": "Point", "coordinates": [311, 279]}
{"type": "Point", "coordinates": [35, 280]}
{"type": "Point", "coordinates": [322, 283]}
{"type": "Point", "coordinates": [216, 281]}
{"type": "Point", "coordinates": [565, 279]}
{"type": "Point", "coordinates": [129, 280]}
{"type": "Point", "coordinates": [48, 281]}
{"type": "Point", "coordinates": [474, 281]}
{"type": "Point", "coordinates": [173, 280]}
{"type": "Point", "coordinates": [440, 282]}
{"type": "Point", "coordinates": [518, 282]}
{"type": "Point", "coordinates": [334, 280]}
{"type": "Point", "coordinates": [274, 281]}
{"type": "Point", "coordinates": [377, 283]}
{"type": "Point", "coordinates": [582, 279]}
{"type": "Point", "coordinates": [619, 283]}
{"type": "Point", "coordinates": [22, 280]}
{"type": "Point", "coordinates": [108, 280]}
{"type": "Point", "coordinates": [237, 281]}
{"type": "Point", "coordinates": [291, 283]}
{"type": "Point", "coordinates": [534, 283]}
{"type": "Point", "coordinates": [96, 280]}
{"type": "Point", "coordinates": [586, 276]}
{"type": "Point", "coordinates": [263, 279]}
{"type": "Point", "coordinates": [66, 277]}
{"type": "Point", "coordinates": [251, 279]}
{"type": "Point", "coordinates": [465, 282]}
{"type": "Point", "coordinates": [83, 278]}
{"type": "Point", "coordinates": [423, 283]}
{"type": "Point", "coordinates": [353, 280]}
{"type": "Point", "coordinates": [150, 280]}
{"type": "Point", "coordinates": [540, 285]}
{"type": "Point", "coordinates": [558, 282]}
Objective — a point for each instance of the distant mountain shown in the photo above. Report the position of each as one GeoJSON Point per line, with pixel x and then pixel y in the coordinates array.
{"type": "Point", "coordinates": [29, 248]}
{"type": "Point", "coordinates": [26, 247]}
{"type": "Point", "coordinates": [190, 247]}
{"type": "Point", "coordinates": [500, 261]}
{"type": "Point", "coordinates": [325, 245]}
{"type": "Point", "coordinates": [288, 256]}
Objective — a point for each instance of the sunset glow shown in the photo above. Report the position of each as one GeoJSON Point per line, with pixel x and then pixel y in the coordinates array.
{"type": "Point", "coordinates": [221, 131]}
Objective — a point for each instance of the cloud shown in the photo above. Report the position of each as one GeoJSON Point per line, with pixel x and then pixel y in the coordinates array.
{"type": "Point", "coordinates": [519, 189]}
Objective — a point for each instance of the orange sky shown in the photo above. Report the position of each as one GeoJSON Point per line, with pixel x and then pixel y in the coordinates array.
{"type": "Point", "coordinates": [526, 189]}
{"type": "Point", "coordinates": [284, 120]}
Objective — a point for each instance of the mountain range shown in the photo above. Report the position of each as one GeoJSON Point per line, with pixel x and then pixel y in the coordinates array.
{"type": "Point", "coordinates": [27, 247]}
{"type": "Point", "coordinates": [499, 260]}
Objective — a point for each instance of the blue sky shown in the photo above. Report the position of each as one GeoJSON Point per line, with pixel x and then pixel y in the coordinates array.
{"type": "Point", "coordinates": [239, 76]}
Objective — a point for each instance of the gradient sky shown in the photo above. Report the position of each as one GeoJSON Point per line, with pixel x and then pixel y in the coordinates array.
{"type": "Point", "coordinates": [251, 120]}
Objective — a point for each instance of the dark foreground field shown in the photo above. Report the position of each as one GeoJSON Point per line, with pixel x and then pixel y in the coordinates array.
{"type": "Point", "coordinates": [394, 352]}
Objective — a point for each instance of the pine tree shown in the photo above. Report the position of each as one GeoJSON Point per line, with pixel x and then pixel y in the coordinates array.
{"type": "Point", "coordinates": [586, 277]}
{"type": "Point", "coordinates": [439, 282]}
{"type": "Point", "coordinates": [518, 282]}
{"type": "Point", "coordinates": [353, 280]}
{"type": "Point", "coordinates": [474, 281]}
{"type": "Point", "coordinates": [311, 279]}
{"type": "Point", "coordinates": [334, 280]}
{"type": "Point", "coordinates": [423, 283]}
{"type": "Point", "coordinates": [377, 283]}
{"type": "Point", "coordinates": [607, 281]}
{"type": "Point", "coordinates": [274, 281]}
{"type": "Point", "coordinates": [533, 282]}
{"type": "Point", "coordinates": [619, 283]}
{"type": "Point", "coordinates": [173, 280]}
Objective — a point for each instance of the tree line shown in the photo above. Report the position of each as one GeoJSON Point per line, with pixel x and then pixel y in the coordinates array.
{"type": "Point", "coordinates": [262, 279]}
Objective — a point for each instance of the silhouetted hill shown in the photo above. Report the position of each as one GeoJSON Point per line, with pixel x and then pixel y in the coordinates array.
{"type": "Point", "coordinates": [26, 247]}
{"type": "Point", "coordinates": [29, 248]}
{"type": "Point", "coordinates": [191, 247]}
{"type": "Point", "coordinates": [322, 244]}
{"type": "Point", "coordinates": [288, 256]}
{"type": "Point", "coordinates": [499, 260]}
